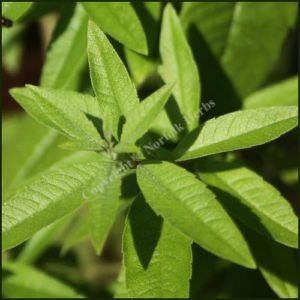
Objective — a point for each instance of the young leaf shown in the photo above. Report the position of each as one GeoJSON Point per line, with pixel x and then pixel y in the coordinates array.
{"type": "Point", "coordinates": [157, 258]}
{"type": "Point", "coordinates": [113, 87]}
{"type": "Point", "coordinates": [68, 112]}
{"type": "Point", "coordinates": [253, 201]}
{"type": "Point", "coordinates": [279, 94]}
{"type": "Point", "coordinates": [103, 204]}
{"type": "Point", "coordinates": [66, 55]}
{"type": "Point", "coordinates": [45, 199]}
{"type": "Point", "coordinates": [139, 120]}
{"type": "Point", "coordinates": [28, 282]}
{"type": "Point", "coordinates": [179, 66]}
{"type": "Point", "coordinates": [14, 10]}
{"type": "Point", "coordinates": [237, 130]}
{"type": "Point", "coordinates": [120, 21]}
{"type": "Point", "coordinates": [231, 34]}
{"type": "Point", "coordinates": [197, 214]}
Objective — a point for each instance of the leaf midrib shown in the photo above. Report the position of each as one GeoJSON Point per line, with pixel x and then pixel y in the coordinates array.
{"type": "Point", "coordinates": [188, 154]}
{"type": "Point", "coordinates": [252, 205]}
{"type": "Point", "coordinates": [169, 191]}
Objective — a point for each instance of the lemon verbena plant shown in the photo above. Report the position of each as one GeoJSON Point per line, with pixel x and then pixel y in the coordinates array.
{"type": "Point", "coordinates": [153, 132]}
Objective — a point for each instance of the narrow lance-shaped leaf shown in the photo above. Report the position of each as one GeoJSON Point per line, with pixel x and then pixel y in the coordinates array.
{"type": "Point", "coordinates": [66, 55]}
{"type": "Point", "coordinates": [279, 94]}
{"type": "Point", "coordinates": [157, 258]}
{"type": "Point", "coordinates": [143, 67]}
{"type": "Point", "coordinates": [28, 282]}
{"type": "Point", "coordinates": [276, 262]}
{"type": "Point", "coordinates": [113, 87]}
{"type": "Point", "coordinates": [246, 50]}
{"type": "Point", "coordinates": [120, 21]}
{"type": "Point", "coordinates": [237, 130]}
{"type": "Point", "coordinates": [253, 201]}
{"type": "Point", "coordinates": [139, 120]}
{"type": "Point", "coordinates": [189, 206]}
{"type": "Point", "coordinates": [27, 148]}
{"type": "Point", "coordinates": [45, 199]}
{"type": "Point", "coordinates": [103, 200]}
{"type": "Point", "coordinates": [179, 66]}
{"type": "Point", "coordinates": [68, 112]}
{"type": "Point", "coordinates": [14, 10]}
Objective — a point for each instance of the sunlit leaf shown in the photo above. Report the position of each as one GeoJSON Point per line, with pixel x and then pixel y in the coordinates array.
{"type": "Point", "coordinates": [237, 130]}
{"type": "Point", "coordinates": [197, 214]}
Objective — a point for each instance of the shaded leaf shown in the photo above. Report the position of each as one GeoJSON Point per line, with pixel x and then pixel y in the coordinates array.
{"type": "Point", "coordinates": [246, 50]}
{"type": "Point", "coordinates": [157, 258]}
{"type": "Point", "coordinates": [279, 94]}
{"type": "Point", "coordinates": [277, 264]}
{"type": "Point", "coordinates": [120, 21]}
{"type": "Point", "coordinates": [66, 55]}
{"type": "Point", "coordinates": [253, 201]}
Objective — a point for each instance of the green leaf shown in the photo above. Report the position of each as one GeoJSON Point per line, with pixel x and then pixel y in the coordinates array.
{"type": "Point", "coordinates": [45, 199]}
{"type": "Point", "coordinates": [141, 67]}
{"type": "Point", "coordinates": [197, 214]}
{"type": "Point", "coordinates": [142, 116]}
{"type": "Point", "coordinates": [68, 112]}
{"type": "Point", "coordinates": [237, 130]}
{"type": "Point", "coordinates": [14, 10]}
{"type": "Point", "coordinates": [253, 201]}
{"type": "Point", "coordinates": [279, 94]}
{"type": "Point", "coordinates": [157, 258]}
{"type": "Point", "coordinates": [66, 55]}
{"type": "Point", "coordinates": [103, 204]}
{"type": "Point", "coordinates": [277, 264]}
{"type": "Point", "coordinates": [113, 87]}
{"type": "Point", "coordinates": [28, 282]}
{"type": "Point", "coordinates": [178, 66]}
{"type": "Point", "coordinates": [40, 242]}
{"type": "Point", "coordinates": [78, 232]}
{"type": "Point", "coordinates": [27, 148]}
{"type": "Point", "coordinates": [246, 50]}
{"type": "Point", "coordinates": [120, 21]}
{"type": "Point", "coordinates": [119, 288]}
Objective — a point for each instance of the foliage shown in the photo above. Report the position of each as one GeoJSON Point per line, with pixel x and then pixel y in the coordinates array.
{"type": "Point", "coordinates": [153, 155]}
